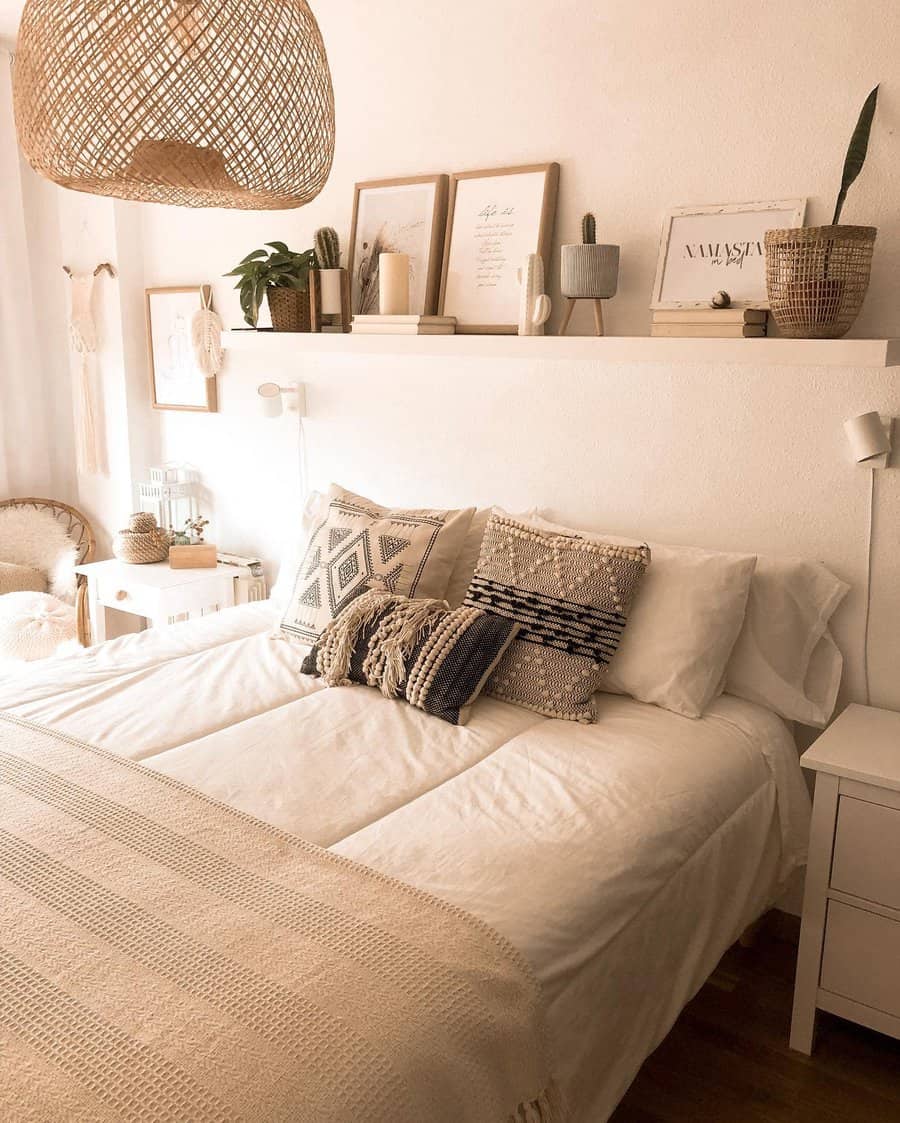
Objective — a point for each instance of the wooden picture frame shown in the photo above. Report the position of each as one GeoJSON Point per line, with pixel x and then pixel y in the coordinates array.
{"type": "Point", "coordinates": [195, 394]}
{"type": "Point", "coordinates": [426, 276]}
{"type": "Point", "coordinates": [722, 248]}
{"type": "Point", "coordinates": [460, 269]}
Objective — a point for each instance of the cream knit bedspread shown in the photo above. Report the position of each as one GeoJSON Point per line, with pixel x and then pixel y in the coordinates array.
{"type": "Point", "coordinates": [164, 957]}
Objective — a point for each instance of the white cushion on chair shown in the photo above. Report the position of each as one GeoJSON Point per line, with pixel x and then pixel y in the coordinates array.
{"type": "Point", "coordinates": [37, 539]}
{"type": "Point", "coordinates": [33, 625]}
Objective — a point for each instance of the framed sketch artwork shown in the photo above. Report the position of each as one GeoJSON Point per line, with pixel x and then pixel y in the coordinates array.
{"type": "Point", "coordinates": [176, 382]}
{"type": "Point", "coordinates": [707, 248]}
{"type": "Point", "coordinates": [398, 216]}
{"type": "Point", "coordinates": [495, 219]}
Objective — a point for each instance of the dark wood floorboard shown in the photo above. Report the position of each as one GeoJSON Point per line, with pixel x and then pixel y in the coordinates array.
{"type": "Point", "coordinates": [727, 1057]}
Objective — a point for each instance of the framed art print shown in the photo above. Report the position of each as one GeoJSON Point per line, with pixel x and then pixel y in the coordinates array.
{"type": "Point", "coordinates": [398, 216]}
{"type": "Point", "coordinates": [176, 382]}
{"type": "Point", "coordinates": [707, 248]}
{"type": "Point", "coordinates": [495, 219]}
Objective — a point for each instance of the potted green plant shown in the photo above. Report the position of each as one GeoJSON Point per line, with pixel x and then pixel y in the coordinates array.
{"type": "Point", "coordinates": [817, 276]}
{"type": "Point", "coordinates": [282, 277]}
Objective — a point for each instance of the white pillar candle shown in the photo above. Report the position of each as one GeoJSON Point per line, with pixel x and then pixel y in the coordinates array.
{"type": "Point", "coordinates": [393, 284]}
{"type": "Point", "coordinates": [331, 291]}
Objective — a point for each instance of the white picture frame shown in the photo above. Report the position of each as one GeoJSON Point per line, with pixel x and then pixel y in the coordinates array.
{"type": "Point", "coordinates": [496, 217]}
{"type": "Point", "coordinates": [703, 249]}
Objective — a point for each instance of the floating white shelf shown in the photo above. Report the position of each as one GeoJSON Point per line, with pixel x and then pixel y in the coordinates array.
{"type": "Point", "coordinates": [607, 349]}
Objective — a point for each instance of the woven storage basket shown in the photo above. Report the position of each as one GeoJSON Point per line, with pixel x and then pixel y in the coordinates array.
{"type": "Point", "coordinates": [289, 309]}
{"type": "Point", "coordinates": [142, 542]}
{"type": "Point", "coordinates": [225, 104]}
{"type": "Point", "coordinates": [817, 277]}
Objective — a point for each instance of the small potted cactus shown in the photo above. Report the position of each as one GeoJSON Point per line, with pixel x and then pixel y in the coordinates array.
{"type": "Point", "coordinates": [589, 271]}
{"type": "Point", "coordinates": [328, 258]}
{"type": "Point", "coordinates": [331, 282]}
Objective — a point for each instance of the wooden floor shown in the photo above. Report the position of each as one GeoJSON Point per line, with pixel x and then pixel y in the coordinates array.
{"type": "Point", "coordinates": [727, 1058]}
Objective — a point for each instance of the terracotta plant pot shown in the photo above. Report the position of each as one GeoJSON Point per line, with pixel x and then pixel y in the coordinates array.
{"type": "Point", "coordinates": [817, 277]}
{"type": "Point", "coordinates": [589, 272]}
{"type": "Point", "coordinates": [289, 309]}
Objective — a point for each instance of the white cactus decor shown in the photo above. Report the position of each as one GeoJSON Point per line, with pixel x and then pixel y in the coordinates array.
{"type": "Point", "coordinates": [534, 304]}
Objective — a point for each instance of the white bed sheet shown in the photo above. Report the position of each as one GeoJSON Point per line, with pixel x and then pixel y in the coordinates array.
{"type": "Point", "coordinates": [622, 858]}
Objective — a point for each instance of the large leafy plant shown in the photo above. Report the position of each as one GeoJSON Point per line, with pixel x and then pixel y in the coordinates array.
{"type": "Point", "coordinates": [856, 152]}
{"type": "Point", "coordinates": [259, 271]}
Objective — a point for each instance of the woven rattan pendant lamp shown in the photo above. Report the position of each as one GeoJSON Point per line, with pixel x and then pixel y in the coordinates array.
{"type": "Point", "coordinates": [200, 103]}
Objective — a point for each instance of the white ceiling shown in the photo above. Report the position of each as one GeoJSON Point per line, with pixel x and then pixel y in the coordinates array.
{"type": "Point", "coordinates": [10, 10]}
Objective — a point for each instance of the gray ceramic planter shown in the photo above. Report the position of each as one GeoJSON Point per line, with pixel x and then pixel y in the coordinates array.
{"type": "Point", "coordinates": [589, 272]}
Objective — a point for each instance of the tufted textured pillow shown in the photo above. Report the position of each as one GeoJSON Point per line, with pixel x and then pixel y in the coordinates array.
{"type": "Point", "coordinates": [438, 659]}
{"type": "Point", "coordinates": [33, 625]}
{"type": "Point", "coordinates": [572, 599]}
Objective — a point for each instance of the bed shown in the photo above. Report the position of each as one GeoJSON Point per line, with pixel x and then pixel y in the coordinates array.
{"type": "Point", "coordinates": [621, 858]}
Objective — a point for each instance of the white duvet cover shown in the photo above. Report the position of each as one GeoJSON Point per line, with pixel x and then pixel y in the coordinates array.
{"type": "Point", "coordinates": [621, 858]}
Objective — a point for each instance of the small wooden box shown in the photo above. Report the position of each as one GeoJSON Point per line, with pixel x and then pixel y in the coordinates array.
{"type": "Point", "coordinates": [201, 556]}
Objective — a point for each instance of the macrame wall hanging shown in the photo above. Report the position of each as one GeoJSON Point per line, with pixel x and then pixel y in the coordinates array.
{"type": "Point", "coordinates": [206, 335]}
{"type": "Point", "coordinates": [83, 335]}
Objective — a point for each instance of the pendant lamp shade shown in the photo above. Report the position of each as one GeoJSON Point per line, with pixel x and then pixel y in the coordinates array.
{"type": "Point", "coordinates": [200, 103]}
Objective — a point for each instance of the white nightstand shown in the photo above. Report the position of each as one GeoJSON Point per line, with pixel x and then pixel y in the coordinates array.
{"type": "Point", "coordinates": [849, 959]}
{"type": "Point", "coordinates": [154, 591]}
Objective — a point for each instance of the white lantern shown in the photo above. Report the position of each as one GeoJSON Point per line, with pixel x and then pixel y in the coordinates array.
{"type": "Point", "coordinates": [171, 495]}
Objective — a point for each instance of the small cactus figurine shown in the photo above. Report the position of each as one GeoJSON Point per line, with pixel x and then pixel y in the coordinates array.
{"type": "Point", "coordinates": [328, 248]}
{"type": "Point", "coordinates": [588, 230]}
{"type": "Point", "coordinates": [534, 304]}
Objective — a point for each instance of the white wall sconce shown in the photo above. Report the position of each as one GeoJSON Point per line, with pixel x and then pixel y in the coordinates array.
{"type": "Point", "coordinates": [869, 437]}
{"type": "Point", "coordinates": [272, 398]}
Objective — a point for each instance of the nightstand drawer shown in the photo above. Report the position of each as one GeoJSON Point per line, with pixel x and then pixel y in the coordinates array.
{"type": "Point", "coordinates": [118, 592]}
{"type": "Point", "coordinates": [861, 958]}
{"type": "Point", "coordinates": [866, 860]}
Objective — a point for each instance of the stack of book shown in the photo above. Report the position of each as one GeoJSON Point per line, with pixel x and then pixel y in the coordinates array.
{"type": "Point", "coordinates": [404, 325]}
{"type": "Point", "coordinates": [711, 323]}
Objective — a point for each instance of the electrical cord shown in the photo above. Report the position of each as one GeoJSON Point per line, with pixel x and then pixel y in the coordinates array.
{"type": "Point", "coordinates": [868, 583]}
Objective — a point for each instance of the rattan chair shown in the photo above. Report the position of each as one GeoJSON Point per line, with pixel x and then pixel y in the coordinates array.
{"type": "Point", "coordinates": [79, 530]}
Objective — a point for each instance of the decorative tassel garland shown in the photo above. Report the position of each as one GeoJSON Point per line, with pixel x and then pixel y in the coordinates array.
{"type": "Point", "coordinates": [390, 645]}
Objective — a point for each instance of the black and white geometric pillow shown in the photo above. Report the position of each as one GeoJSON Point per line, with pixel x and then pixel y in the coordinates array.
{"type": "Point", "coordinates": [358, 544]}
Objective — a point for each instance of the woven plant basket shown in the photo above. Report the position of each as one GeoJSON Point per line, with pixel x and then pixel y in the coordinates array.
{"type": "Point", "coordinates": [199, 104]}
{"type": "Point", "coordinates": [817, 277]}
{"type": "Point", "coordinates": [142, 542]}
{"type": "Point", "coordinates": [289, 309]}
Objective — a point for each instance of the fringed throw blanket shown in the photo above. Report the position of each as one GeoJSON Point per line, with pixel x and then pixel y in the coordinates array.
{"type": "Point", "coordinates": [164, 957]}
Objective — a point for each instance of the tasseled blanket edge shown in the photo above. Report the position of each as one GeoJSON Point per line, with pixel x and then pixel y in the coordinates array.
{"type": "Point", "coordinates": [549, 1107]}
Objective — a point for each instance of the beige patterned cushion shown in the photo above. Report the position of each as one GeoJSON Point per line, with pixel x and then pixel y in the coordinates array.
{"type": "Point", "coordinates": [21, 578]}
{"type": "Point", "coordinates": [356, 543]}
{"type": "Point", "coordinates": [572, 599]}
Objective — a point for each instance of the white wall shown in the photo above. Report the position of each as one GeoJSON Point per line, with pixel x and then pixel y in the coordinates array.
{"type": "Point", "coordinates": [645, 106]}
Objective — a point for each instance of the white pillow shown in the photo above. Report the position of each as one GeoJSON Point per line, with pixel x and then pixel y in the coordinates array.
{"type": "Point", "coordinates": [683, 624]}
{"type": "Point", "coordinates": [34, 537]}
{"type": "Point", "coordinates": [784, 657]}
{"type": "Point", "coordinates": [33, 625]}
{"type": "Point", "coordinates": [294, 548]}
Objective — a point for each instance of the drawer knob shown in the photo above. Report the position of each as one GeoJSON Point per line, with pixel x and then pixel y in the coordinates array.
{"type": "Point", "coordinates": [122, 594]}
